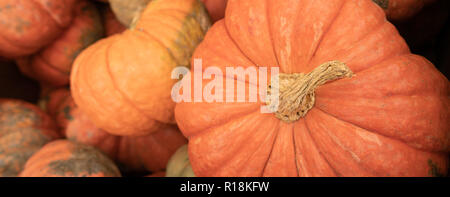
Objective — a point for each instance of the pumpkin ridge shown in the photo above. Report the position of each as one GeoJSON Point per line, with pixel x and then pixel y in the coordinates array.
{"type": "Point", "coordinates": [271, 149]}
{"type": "Point", "coordinates": [211, 129]}
{"type": "Point", "coordinates": [316, 148]}
{"type": "Point", "coordinates": [237, 46]}
{"type": "Point", "coordinates": [48, 64]}
{"type": "Point", "coordinates": [174, 28]}
{"type": "Point", "coordinates": [224, 122]}
{"type": "Point", "coordinates": [153, 38]}
{"type": "Point", "coordinates": [260, 145]}
{"type": "Point", "coordinates": [116, 87]}
{"type": "Point", "coordinates": [385, 136]}
{"type": "Point", "coordinates": [333, 20]}
{"type": "Point", "coordinates": [358, 42]}
{"type": "Point", "coordinates": [295, 151]}
{"type": "Point", "coordinates": [346, 149]}
{"type": "Point", "coordinates": [321, 152]}
{"type": "Point", "coordinates": [271, 33]}
{"type": "Point", "coordinates": [371, 131]}
{"type": "Point", "coordinates": [78, 76]}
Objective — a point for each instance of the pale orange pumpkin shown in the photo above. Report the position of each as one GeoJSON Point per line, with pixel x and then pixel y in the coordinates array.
{"type": "Point", "coordinates": [353, 100]}
{"type": "Point", "coordinates": [123, 83]}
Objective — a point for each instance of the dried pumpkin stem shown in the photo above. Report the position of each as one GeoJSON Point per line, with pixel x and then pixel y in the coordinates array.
{"type": "Point", "coordinates": [297, 91]}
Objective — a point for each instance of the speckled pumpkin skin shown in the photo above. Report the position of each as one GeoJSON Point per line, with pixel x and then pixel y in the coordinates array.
{"type": "Point", "coordinates": [28, 25]}
{"type": "Point", "coordinates": [63, 158]}
{"type": "Point", "coordinates": [52, 65]}
{"type": "Point", "coordinates": [24, 129]}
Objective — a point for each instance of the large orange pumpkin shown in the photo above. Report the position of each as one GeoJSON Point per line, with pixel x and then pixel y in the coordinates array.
{"type": "Point", "coordinates": [354, 100]}
{"type": "Point", "coordinates": [51, 66]}
{"type": "Point", "coordinates": [136, 154]}
{"type": "Point", "coordinates": [63, 158]}
{"type": "Point", "coordinates": [398, 10]}
{"type": "Point", "coordinates": [123, 83]}
{"type": "Point", "coordinates": [26, 26]}
{"type": "Point", "coordinates": [24, 129]}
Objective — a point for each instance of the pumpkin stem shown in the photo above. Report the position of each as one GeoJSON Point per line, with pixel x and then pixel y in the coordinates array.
{"type": "Point", "coordinates": [297, 91]}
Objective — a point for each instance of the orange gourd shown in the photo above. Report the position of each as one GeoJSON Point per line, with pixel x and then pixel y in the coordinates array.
{"type": "Point", "coordinates": [399, 10]}
{"type": "Point", "coordinates": [144, 153]}
{"type": "Point", "coordinates": [364, 105]}
{"type": "Point", "coordinates": [26, 26]}
{"type": "Point", "coordinates": [123, 83]}
{"type": "Point", "coordinates": [24, 129]}
{"type": "Point", "coordinates": [52, 65]}
{"type": "Point", "coordinates": [63, 158]}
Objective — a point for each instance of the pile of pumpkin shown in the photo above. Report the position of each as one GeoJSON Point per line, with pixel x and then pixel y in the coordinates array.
{"type": "Point", "coordinates": [354, 100]}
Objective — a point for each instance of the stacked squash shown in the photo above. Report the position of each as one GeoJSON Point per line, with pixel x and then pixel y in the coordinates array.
{"type": "Point", "coordinates": [353, 100]}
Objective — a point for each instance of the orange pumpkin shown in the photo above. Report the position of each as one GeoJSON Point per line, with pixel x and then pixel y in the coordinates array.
{"type": "Point", "coordinates": [63, 158]}
{"type": "Point", "coordinates": [123, 82]}
{"type": "Point", "coordinates": [26, 26]}
{"type": "Point", "coordinates": [143, 153]}
{"type": "Point", "coordinates": [51, 66]}
{"type": "Point", "coordinates": [398, 10]}
{"type": "Point", "coordinates": [24, 129]}
{"type": "Point", "coordinates": [353, 100]}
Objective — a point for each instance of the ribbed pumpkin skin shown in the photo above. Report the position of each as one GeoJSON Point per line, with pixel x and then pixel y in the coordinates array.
{"type": "Point", "coordinates": [24, 129]}
{"type": "Point", "coordinates": [52, 65]}
{"type": "Point", "coordinates": [63, 158]}
{"type": "Point", "coordinates": [143, 153]}
{"type": "Point", "coordinates": [26, 26]}
{"type": "Point", "coordinates": [398, 10]}
{"type": "Point", "coordinates": [390, 119]}
{"type": "Point", "coordinates": [123, 82]}
{"type": "Point", "coordinates": [179, 165]}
